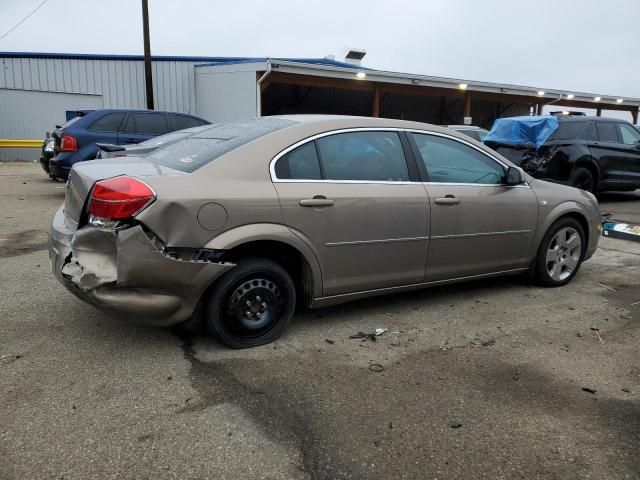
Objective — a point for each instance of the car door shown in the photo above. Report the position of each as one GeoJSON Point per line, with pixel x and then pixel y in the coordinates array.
{"type": "Point", "coordinates": [103, 130]}
{"type": "Point", "coordinates": [141, 126]}
{"type": "Point", "coordinates": [354, 197]}
{"type": "Point", "coordinates": [478, 224]}
{"type": "Point", "coordinates": [610, 154]}
{"type": "Point", "coordinates": [630, 139]}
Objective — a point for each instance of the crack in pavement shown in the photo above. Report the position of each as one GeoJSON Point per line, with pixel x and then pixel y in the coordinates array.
{"type": "Point", "coordinates": [216, 384]}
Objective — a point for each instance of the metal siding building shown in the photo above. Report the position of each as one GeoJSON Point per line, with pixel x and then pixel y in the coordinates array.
{"type": "Point", "coordinates": [37, 89]}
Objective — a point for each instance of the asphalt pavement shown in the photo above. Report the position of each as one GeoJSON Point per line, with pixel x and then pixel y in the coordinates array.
{"type": "Point", "coordinates": [494, 379]}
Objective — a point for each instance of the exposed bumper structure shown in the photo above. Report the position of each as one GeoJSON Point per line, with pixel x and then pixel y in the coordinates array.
{"type": "Point", "coordinates": [127, 274]}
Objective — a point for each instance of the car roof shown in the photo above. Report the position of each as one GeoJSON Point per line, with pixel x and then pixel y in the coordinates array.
{"type": "Point", "coordinates": [590, 118]}
{"type": "Point", "coordinates": [464, 127]}
{"type": "Point", "coordinates": [337, 122]}
{"type": "Point", "coordinates": [133, 110]}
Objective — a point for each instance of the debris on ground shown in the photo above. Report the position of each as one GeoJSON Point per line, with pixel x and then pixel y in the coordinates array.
{"type": "Point", "coordinates": [455, 423]}
{"type": "Point", "coordinates": [597, 330]}
{"type": "Point", "coordinates": [329, 341]}
{"type": "Point", "coordinates": [622, 230]}
{"type": "Point", "coordinates": [369, 336]}
{"type": "Point", "coordinates": [635, 303]}
{"type": "Point", "coordinates": [9, 358]}
{"type": "Point", "coordinates": [489, 342]}
{"type": "Point", "coordinates": [376, 367]}
{"type": "Point", "coordinates": [625, 390]}
{"type": "Point", "coordinates": [611, 289]}
{"type": "Point", "coordinates": [516, 375]}
{"type": "Point", "coordinates": [589, 390]}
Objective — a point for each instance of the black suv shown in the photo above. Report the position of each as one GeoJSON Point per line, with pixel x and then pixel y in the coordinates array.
{"type": "Point", "coordinates": [591, 153]}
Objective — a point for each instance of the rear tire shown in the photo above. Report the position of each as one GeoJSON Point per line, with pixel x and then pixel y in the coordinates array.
{"type": "Point", "coordinates": [252, 304]}
{"type": "Point", "coordinates": [582, 178]}
{"type": "Point", "coordinates": [560, 254]}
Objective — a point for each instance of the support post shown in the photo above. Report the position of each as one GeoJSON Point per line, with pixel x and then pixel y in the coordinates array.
{"type": "Point", "coordinates": [375, 108]}
{"type": "Point", "coordinates": [634, 116]}
{"type": "Point", "coordinates": [599, 112]}
{"type": "Point", "coordinates": [467, 105]}
{"type": "Point", "coordinates": [148, 75]}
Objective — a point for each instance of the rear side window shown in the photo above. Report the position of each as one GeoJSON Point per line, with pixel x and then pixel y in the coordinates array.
{"type": "Point", "coordinates": [180, 122]}
{"type": "Point", "coordinates": [108, 123]}
{"type": "Point", "coordinates": [628, 134]}
{"type": "Point", "coordinates": [366, 156]}
{"type": "Point", "coordinates": [147, 123]}
{"type": "Point", "coordinates": [451, 161]}
{"type": "Point", "coordinates": [299, 164]}
{"type": "Point", "coordinates": [607, 132]}
{"type": "Point", "coordinates": [567, 131]}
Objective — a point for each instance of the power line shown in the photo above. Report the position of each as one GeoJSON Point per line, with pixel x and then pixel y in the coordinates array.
{"type": "Point", "coordinates": [24, 19]}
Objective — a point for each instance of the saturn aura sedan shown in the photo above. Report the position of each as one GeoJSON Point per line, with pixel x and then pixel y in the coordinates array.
{"type": "Point", "coordinates": [241, 222]}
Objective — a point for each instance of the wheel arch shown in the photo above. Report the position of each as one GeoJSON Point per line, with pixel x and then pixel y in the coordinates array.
{"type": "Point", "coordinates": [590, 164]}
{"type": "Point", "coordinates": [567, 209]}
{"type": "Point", "coordinates": [280, 244]}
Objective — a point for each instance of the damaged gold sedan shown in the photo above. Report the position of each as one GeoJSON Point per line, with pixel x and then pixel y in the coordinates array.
{"type": "Point", "coordinates": [244, 221]}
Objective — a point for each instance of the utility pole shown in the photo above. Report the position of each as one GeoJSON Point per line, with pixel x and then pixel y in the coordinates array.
{"type": "Point", "coordinates": [148, 75]}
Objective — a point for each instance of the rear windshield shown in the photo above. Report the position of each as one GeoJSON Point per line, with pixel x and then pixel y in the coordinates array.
{"type": "Point", "coordinates": [567, 131]}
{"type": "Point", "coordinates": [214, 141]}
{"type": "Point", "coordinates": [171, 137]}
{"type": "Point", "coordinates": [71, 122]}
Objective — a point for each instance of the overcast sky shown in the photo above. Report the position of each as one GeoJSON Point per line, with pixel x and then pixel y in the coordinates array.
{"type": "Point", "coordinates": [578, 45]}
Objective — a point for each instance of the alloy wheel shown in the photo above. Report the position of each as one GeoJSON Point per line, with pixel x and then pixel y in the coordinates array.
{"type": "Point", "coordinates": [563, 254]}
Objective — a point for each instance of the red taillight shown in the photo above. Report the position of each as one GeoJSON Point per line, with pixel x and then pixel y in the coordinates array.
{"type": "Point", "coordinates": [68, 144]}
{"type": "Point", "coordinates": [119, 198]}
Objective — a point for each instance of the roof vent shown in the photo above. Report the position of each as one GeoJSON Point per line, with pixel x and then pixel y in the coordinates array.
{"type": "Point", "coordinates": [355, 55]}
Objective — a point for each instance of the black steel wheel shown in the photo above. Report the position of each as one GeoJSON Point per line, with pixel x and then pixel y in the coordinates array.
{"type": "Point", "coordinates": [252, 304]}
{"type": "Point", "coordinates": [583, 179]}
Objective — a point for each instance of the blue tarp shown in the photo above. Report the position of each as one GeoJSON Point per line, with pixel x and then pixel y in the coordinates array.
{"type": "Point", "coordinates": [525, 131]}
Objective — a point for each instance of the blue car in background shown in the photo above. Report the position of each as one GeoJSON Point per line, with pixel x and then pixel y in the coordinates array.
{"type": "Point", "coordinates": [77, 139]}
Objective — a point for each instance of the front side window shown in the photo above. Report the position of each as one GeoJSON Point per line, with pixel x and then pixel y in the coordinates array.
{"type": "Point", "coordinates": [299, 164]}
{"type": "Point", "coordinates": [607, 132]}
{"type": "Point", "coordinates": [180, 122]}
{"type": "Point", "coordinates": [108, 123]}
{"type": "Point", "coordinates": [450, 161]}
{"type": "Point", "coordinates": [628, 134]}
{"type": "Point", "coordinates": [365, 156]}
{"type": "Point", "coordinates": [148, 123]}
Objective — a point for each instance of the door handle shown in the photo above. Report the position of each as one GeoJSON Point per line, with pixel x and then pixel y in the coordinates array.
{"type": "Point", "coordinates": [317, 201]}
{"type": "Point", "coordinates": [447, 200]}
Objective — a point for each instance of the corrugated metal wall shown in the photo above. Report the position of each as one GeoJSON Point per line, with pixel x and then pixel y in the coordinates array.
{"type": "Point", "coordinates": [117, 83]}
{"type": "Point", "coordinates": [23, 112]}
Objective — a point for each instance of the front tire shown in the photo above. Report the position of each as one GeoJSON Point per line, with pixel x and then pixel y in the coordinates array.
{"type": "Point", "coordinates": [561, 252]}
{"type": "Point", "coordinates": [252, 304]}
{"type": "Point", "coordinates": [582, 178]}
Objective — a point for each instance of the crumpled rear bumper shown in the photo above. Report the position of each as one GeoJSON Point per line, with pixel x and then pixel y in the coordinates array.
{"type": "Point", "coordinates": [126, 273]}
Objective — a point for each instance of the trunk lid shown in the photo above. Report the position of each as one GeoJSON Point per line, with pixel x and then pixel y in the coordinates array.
{"type": "Point", "coordinates": [84, 175]}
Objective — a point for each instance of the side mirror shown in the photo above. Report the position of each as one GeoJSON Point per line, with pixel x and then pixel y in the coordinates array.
{"type": "Point", "coordinates": [513, 176]}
